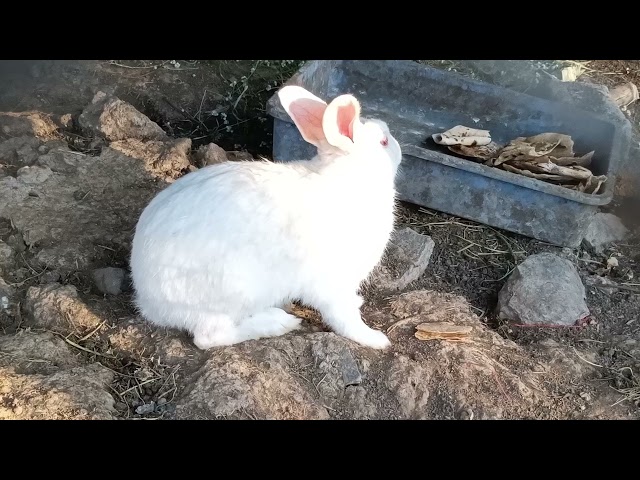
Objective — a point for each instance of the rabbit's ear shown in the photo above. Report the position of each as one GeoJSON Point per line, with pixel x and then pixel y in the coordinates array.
{"type": "Point", "coordinates": [340, 118]}
{"type": "Point", "coordinates": [306, 111]}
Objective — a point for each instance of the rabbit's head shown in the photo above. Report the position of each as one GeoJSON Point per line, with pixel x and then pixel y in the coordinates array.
{"type": "Point", "coordinates": [336, 129]}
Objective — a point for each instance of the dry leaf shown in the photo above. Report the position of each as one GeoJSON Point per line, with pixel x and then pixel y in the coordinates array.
{"type": "Point", "coordinates": [566, 171]}
{"type": "Point", "coordinates": [594, 183]}
{"type": "Point", "coordinates": [531, 166]}
{"type": "Point", "coordinates": [536, 146]}
{"type": "Point", "coordinates": [526, 173]}
{"type": "Point", "coordinates": [442, 331]}
{"type": "Point", "coordinates": [547, 156]}
{"type": "Point", "coordinates": [461, 135]}
{"type": "Point", "coordinates": [563, 143]}
{"type": "Point", "coordinates": [483, 152]}
{"type": "Point", "coordinates": [583, 161]}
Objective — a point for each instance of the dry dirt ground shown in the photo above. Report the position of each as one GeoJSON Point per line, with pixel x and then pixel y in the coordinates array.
{"type": "Point", "coordinates": [72, 187]}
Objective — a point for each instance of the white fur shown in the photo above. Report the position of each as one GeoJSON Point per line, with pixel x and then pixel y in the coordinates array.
{"type": "Point", "coordinates": [220, 251]}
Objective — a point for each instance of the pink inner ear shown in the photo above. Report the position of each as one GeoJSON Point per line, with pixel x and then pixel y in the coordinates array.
{"type": "Point", "coordinates": [307, 114]}
{"type": "Point", "coordinates": [346, 117]}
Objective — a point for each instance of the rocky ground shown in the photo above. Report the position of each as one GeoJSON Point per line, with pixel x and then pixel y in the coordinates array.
{"type": "Point", "coordinates": [484, 324]}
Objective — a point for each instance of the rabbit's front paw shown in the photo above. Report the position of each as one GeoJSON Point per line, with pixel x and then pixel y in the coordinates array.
{"type": "Point", "coordinates": [369, 338]}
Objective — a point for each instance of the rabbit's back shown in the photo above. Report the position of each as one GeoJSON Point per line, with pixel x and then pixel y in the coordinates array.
{"type": "Point", "coordinates": [221, 236]}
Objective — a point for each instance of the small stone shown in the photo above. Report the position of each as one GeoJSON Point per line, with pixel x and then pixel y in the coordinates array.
{"type": "Point", "coordinates": [110, 280]}
{"type": "Point", "coordinates": [34, 175]}
{"type": "Point", "coordinates": [49, 277]}
{"type": "Point", "coordinates": [544, 289]}
{"type": "Point", "coordinates": [66, 120]}
{"type": "Point", "coordinates": [6, 292]}
{"type": "Point", "coordinates": [210, 154]}
{"type": "Point", "coordinates": [569, 254]}
{"type": "Point", "coordinates": [146, 408]}
{"type": "Point", "coordinates": [162, 401]}
{"type": "Point", "coordinates": [605, 284]}
{"type": "Point", "coordinates": [239, 156]}
{"type": "Point", "coordinates": [350, 372]}
{"type": "Point", "coordinates": [466, 414]}
{"type": "Point", "coordinates": [27, 154]}
{"type": "Point", "coordinates": [60, 161]}
{"type": "Point", "coordinates": [96, 144]}
{"type": "Point", "coordinates": [79, 195]}
{"type": "Point", "coordinates": [6, 254]}
{"type": "Point", "coordinates": [405, 260]}
{"type": "Point", "coordinates": [121, 406]}
{"type": "Point", "coordinates": [604, 229]}
{"type": "Point", "coordinates": [612, 262]}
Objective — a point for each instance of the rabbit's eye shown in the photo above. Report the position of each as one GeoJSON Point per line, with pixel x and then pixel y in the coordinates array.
{"type": "Point", "coordinates": [384, 142]}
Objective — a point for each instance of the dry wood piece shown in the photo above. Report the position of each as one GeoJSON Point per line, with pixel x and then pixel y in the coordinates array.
{"type": "Point", "coordinates": [443, 331]}
{"type": "Point", "coordinates": [547, 156]}
{"type": "Point", "coordinates": [624, 95]}
{"type": "Point", "coordinates": [461, 135]}
{"type": "Point", "coordinates": [571, 73]}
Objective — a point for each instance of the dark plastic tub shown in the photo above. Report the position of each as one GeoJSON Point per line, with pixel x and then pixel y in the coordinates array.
{"type": "Point", "coordinates": [417, 101]}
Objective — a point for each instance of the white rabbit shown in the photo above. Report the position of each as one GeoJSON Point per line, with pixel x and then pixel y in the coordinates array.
{"type": "Point", "coordinates": [221, 250]}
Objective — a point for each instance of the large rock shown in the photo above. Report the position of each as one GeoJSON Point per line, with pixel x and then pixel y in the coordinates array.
{"type": "Point", "coordinates": [42, 378]}
{"type": "Point", "coordinates": [55, 306]}
{"type": "Point", "coordinates": [60, 159]}
{"type": "Point", "coordinates": [169, 157]}
{"type": "Point", "coordinates": [87, 201]}
{"type": "Point", "coordinates": [73, 211]}
{"type": "Point", "coordinates": [544, 289]}
{"type": "Point", "coordinates": [112, 119]}
{"type": "Point", "coordinates": [37, 352]}
{"type": "Point", "coordinates": [604, 229]}
{"type": "Point", "coordinates": [36, 124]}
{"type": "Point", "coordinates": [74, 394]}
{"type": "Point", "coordinates": [405, 260]}
{"type": "Point", "coordinates": [322, 375]}
{"type": "Point", "coordinates": [234, 384]}
{"type": "Point", "coordinates": [19, 151]}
